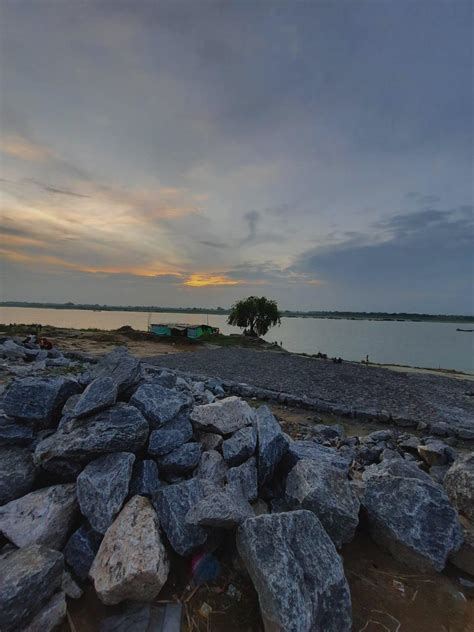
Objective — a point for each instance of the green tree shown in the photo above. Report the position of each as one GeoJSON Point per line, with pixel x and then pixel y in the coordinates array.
{"type": "Point", "coordinates": [255, 314]}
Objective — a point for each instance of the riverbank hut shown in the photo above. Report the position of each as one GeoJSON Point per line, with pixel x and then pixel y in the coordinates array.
{"type": "Point", "coordinates": [185, 330]}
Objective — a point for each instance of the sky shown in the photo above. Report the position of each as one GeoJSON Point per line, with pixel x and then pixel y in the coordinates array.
{"type": "Point", "coordinates": [191, 153]}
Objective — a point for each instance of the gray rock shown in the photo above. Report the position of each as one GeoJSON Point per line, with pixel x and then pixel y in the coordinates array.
{"type": "Point", "coordinates": [123, 368]}
{"type": "Point", "coordinates": [325, 490]}
{"type": "Point", "coordinates": [220, 509]}
{"type": "Point", "coordinates": [119, 428]}
{"type": "Point", "coordinates": [389, 454]}
{"type": "Point", "coordinates": [44, 516]}
{"type": "Point", "coordinates": [297, 573]}
{"type": "Point", "coordinates": [223, 417]}
{"type": "Point", "coordinates": [438, 473]}
{"type": "Point", "coordinates": [17, 473]}
{"type": "Point", "coordinates": [170, 436]}
{"type": "Point", "coordinates": [158, 404]}
{"type": "Point", "coordinates": [50, 616]}
{"type": "Point", "coordinates": [395, 467]}
{"type": "Point", "coordinates": [411, 516]}
{"type": "Point", "coordinates": [441, 429]}
{"type": "Point", "coordinates": [459, 483]}
{"type": "Point", "coordinates": [14, 434]}
{"type": "Point", "coordinates": [182, 460]}
{"type": "Point", "coordinates": [101, 393]}
{"type": "Point", "coordinates": [172, 503]}
{"type": "Point", "coordinates": [81, 550]}
{"type": "Point", "coordinates": [139, 617]}
{"type": "Point", "coordinates": [70, 587]}
{"type": "Point", "coordinates": [28, 578]}
{"type": "Point", "coordinates": [102, 488]}
{"type": "Point", "coordinates": [166, 379]}
{"type": "Point", "coordinates": [209, 440]}
{"type": "Point", "coordinates": [464, 558]}
{"type": "Point", "coordinates": [323, 432]}
{"type": "Point", "coordinates": [272, 444]}
{"type": "Point", "coordinates": [380, 436]}
{"type": "Point", "coordinates": [243, 479]}
{"type": "Point", "coordinates": [212, 467]}
{"type": "Point", "coordinates": [132, 562]}
{"type": "Point", "coordinates": [310, 450]}
{"type": "Point", "coordinates": [433, 453]}
{"type": "Point", "coordinates": [240, 446]}
{"type": "Point", "coordinates": [409, 443]}
{"type": "Point", "coordinates": [145, 479]}
{"type": "Point", "coordinates": [38, 401]}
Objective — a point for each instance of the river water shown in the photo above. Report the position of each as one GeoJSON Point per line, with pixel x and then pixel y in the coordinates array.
{"type": "Point", "coordinates": [429, 345]}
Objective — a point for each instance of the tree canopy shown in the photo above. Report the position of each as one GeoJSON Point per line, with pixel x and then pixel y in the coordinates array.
{"type": "Point", "coordinates": [255, 315]}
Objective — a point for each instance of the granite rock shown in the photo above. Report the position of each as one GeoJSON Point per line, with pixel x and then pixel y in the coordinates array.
{"type": "Point", "coordinates": [240, 446]}
{"type": "Point", "coordinates": [44, 516]}
{"type": "Point", "coordinates": [121, 366]}
{"type": "Point", "coordinates": [100, 394]}
{"type": "Point", "coordinates": [325, 490]}
{"type": "Point", "coordinates": [145, 479]}
{"type": "Point", "coordinates": [132, 563]}
{"type": "Point", "coordinates": [50, 616]}
{"type": "Point", "coordinates": [223, 417]}
{"type": "Point", "coordinates": [243, 479]}
{"type": "Point", "coordinates": [220, 509]}
{"type": "Point", "coordinates": [272, 444]}
{"type": "Point", "coordinates": [459, 484]}
{"type": "Point", "coordinates": [158, 404]}
{"type": "Point", "coordinates": [212, 467]}
{"type": "Point", "coordinates": [28, 578]}
{"type": "Point", "coordinates": [102, 488]}
{"type": "Point", "coordinates": [14, 434]}
{"type": "Point", "coordinates": [17, 473]}
{"type": "Point", "coordinates": [81, 549]}
{"type": "Point", "coordinates": [296, 572]}
{"type": "Point", "coordinates": [182, 460]}
{"type": "Point", "coordinates": [170, 436]}
{"type": "Point", "coordinates": [210, 440]}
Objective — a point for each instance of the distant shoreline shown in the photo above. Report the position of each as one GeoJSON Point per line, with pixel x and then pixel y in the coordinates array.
{"type": "Point", "coordinates": [335, 315]}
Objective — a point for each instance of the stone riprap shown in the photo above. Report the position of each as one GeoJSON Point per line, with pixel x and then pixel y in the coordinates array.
{"type": "Point", "coordinates": [133, 465]}
{"type": "Point", "coordinates": [346, 389]}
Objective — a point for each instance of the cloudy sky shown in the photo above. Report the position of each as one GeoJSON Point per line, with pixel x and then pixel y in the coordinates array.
{"type": "Point", "coordinates": [193, 152]}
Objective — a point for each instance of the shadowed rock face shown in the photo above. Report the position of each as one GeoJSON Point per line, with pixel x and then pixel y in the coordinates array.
{"type": "Point", "coordinates": [297, 573]}
{"type": "Point", "coordinates": [119, 428]}
{"type": "Point", "coordinates": [172, 503]}
{"type": "Point", "coordinates": [459, 483]}
{"type": "Point", "coordinates": [145, 479]}
{"type": "Point", "coordinates": [240, 446]}
{"type": "Point", "coordinates": [182, 460]}
{"type": "Point", "coordinates": [326, 491]}
{"type": "Point", "coordinates": [243, 479]}
{"type": "Point", "coordinates": [44, 516]}
{"type": "Point", "coordinates": [38, 401]}
{"type": "Point", "coordinates": [212, 467]}
{"type": "Point", "coordinates": [272, 444]}
{"type": "Point", "coordinates": [50, 616]}
{"type": "Point", "coordinates": [411, 516]}
{"type": "Point", "coordinates": [121, 367]}
{"type": "Point", "coordinates": [132, 562]}
{"type": "Point", "coordinates": [221, 509]}
{"type": "Point", "coordinates": [170, 436]}
{"type": "Point", "coordinates": [17, 473]}
{"type": "Point", "coordinates": [223, 417]}
{"type": "Point", "coordinates": [158, 404]}
{"type": "Point", "coordinates": [81, 550]}
{"type": "Point", "coordinates": [102, 488]}
{"type": "Point", "coordinates": [28, 578]}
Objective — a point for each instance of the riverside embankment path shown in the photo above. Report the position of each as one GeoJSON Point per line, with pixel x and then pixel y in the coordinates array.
{"type": "Point", "coordinates": [420, 397]}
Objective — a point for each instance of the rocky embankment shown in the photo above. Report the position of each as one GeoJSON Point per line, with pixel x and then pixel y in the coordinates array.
{"type": "Point", "coordinates": [108, 475]}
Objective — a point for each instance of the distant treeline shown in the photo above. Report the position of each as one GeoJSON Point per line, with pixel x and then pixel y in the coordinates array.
{"type": "Point", "coordinates": [397, 316]}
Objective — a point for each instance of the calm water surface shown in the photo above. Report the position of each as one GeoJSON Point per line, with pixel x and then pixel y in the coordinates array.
{"type": "Point", "coordinates": [432, 345]}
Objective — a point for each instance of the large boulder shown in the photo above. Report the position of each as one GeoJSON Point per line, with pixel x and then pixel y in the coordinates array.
{"type": "Point", "coordinates": [159, 404]}
{"type": "Point", "coordinates": [121, 367]}
{"type": "Point", "coordinates": [326, 491]}
{"type": "Point", "coordinates": [240, 446]}
{"type": "Point", "coordinates": [182, 460]}
{"type": "Point", "coordinates": [310, 450]}
{"type": "Point", "coordinates": [14, 434]}
{"type": "Point", "coordinates": [170, 436]}
{"type": "Point", "coordinates": [243, 479]}
{"type": "Point", "coordinates": [101, 393]}
{"type": "Point", "coordinates": [223, 417]}
{"type": "Point", "coordinates": [102, 488]}
{"type": "Point", "coordinates": [459, 483]}
{"type": "Point", "coordinates": [81, 549]}
{"type": "Point", "coordinates": [220, 509]}
{"type": "Point", "coordinates": [44, 516]}
{"type": "Point", "coordinates": [50, 616]}
{"type": "Point", "coordinates": [297, 573]}
{"type": "Point", "coordinates": [17, 473]}
{"type": "Point", "coordinates": [119, 428]}
{"type": "Point", "coordinates": [212, 467]}
{"type": "Point", "coordinates": [132, 563]}
{"type": "Point", "coordinates": [410, 515]}
{"type": "Point", "coordinates": [272, 444]}
{"type": "Point", "coordinates": [38, 401]}
{"type": "Point", "coordinates": [28, 578]}
{"type": "Point", "coordinates": [172, 504]}
{"type": "Point", "coordinates": [434, 453]}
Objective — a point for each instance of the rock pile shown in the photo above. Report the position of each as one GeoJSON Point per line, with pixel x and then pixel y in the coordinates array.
{"type": "Point", "coordinates": [110, 474]}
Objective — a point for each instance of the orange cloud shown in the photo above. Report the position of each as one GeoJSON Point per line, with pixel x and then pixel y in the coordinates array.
{"type": "Point", "coordinates": [205, 280]}
{"type": "Point", "coordinates": [24, 149]}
